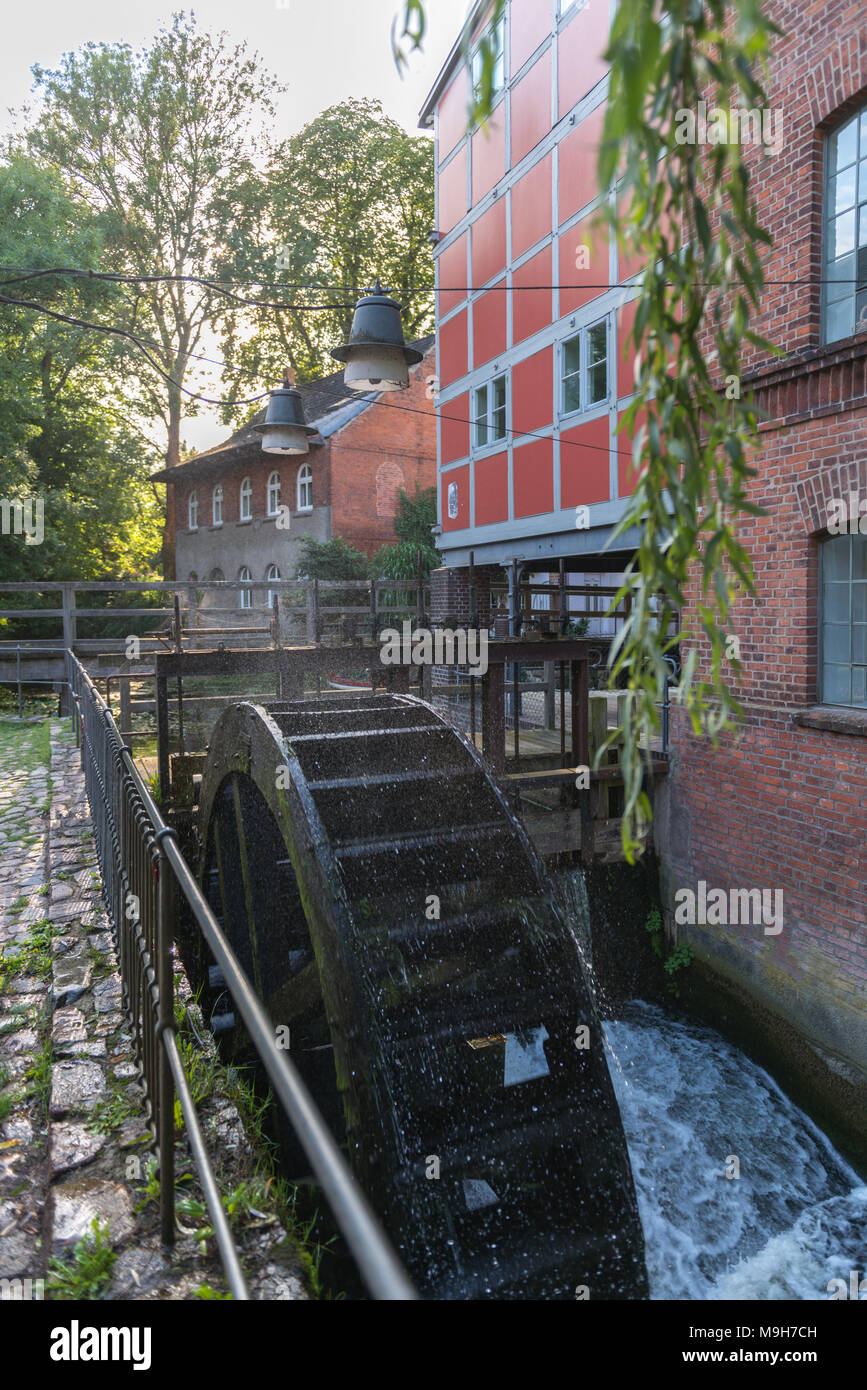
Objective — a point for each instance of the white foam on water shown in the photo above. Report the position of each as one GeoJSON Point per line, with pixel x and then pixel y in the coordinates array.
{"type": "Point", "coordinates": [794, 1219]}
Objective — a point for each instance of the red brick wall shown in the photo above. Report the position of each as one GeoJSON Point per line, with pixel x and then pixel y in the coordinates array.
{"type": "Point", "coordinates": [398, 432]}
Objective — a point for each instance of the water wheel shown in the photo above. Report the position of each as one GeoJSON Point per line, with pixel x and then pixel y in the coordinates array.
{"type": "Point", "coordinates": [395, 919]}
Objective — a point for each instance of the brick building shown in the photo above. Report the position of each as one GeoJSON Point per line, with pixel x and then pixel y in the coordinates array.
{"type": "Point", "coordinates": [228, 499]}
{"type": "Point", "coordinates": [533, 379]}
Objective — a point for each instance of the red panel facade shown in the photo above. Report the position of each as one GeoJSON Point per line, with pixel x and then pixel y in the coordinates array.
{"type": "Point", "coordinates": [533, 466]}
{"type": "Point", "coordinates": [531, 108]}
{"type": "Point", "coordinates": [531, 207]}
{"type": "Point", "coordinates": [492, 489]}
{"type": "Point", "coordinates": [531, 307]}
{"type": "Point", "coordinates": [489, 244]}
{"type": "Point", "coordinates": [530, 24]}
{"type": "Point", "coordinates": [583, 259]}
{"type": "Point", "coordinates": [578, 155]}
{"type": "Point", "coordinates": [489, 324]}
{"type": "Point", "coordinates": [453, 348]}
{"type": "Point", "coordinates": [452, 193]}
{"type": "Point", "coordinates": [584, 464]}
{"type": "Point", "coordinates": [455, 429]}
{"type": "Point", "coordinates": [458, 478]}
{"type": "Point", "coordinates": [489, 155]}
{"type": "Point", "coordinates": [581, 46]}
{"type": "Point", "coordinates": [452, 114]}
{"type": "Point", "coordinates": [532, 392]}
{"type": "Point", "coordinates": [453, 275]}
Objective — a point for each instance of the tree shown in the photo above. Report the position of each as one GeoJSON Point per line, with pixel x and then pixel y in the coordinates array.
{"type": "Point", "coordinates": [334, 559]}
{"type": "Point", "coordinates": [413, 520]}
{"type": "Point", "coordinates": [158, 143]}
{"type": "Point", "coordinates": [65, 443]}
{"type": "Point", "coordinates": [347, 200]}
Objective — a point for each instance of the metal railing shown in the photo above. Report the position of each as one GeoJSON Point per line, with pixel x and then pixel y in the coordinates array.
{"type": "Point", "coordinates": [142, 870]}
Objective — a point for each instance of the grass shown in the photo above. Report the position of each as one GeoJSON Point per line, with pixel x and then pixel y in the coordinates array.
{"type": "Point", "coordinates": [38, 1077]}
{"type": "Point", "coordinates": [110, 1114]}
{"type": "Point", "coordinates": [86, 1274]}
{"type": "Point", "coordinates": [8, 1100]}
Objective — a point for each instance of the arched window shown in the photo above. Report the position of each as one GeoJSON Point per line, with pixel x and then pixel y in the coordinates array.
{"type": "Point", "coordinates": [193, 511]}
{"type": "Point", "coordinates": [272, 572]}
{"type": "Point", "coordinates": [244, 577]}
{"type": "Point", "coordinates": [845, 240]}
{"type": "Point", "coordinates": [305, 488]}
{"type": "Point", "coordinates": [216, 576]}
{"type": "Point", "coordinates": [217, 505]}
{"type": "Point", "coordinates": [274, 494]}
{"type": "Point", "coordinates": [193, 577]}
{"type": "Point", "coordinates": [246, 500]}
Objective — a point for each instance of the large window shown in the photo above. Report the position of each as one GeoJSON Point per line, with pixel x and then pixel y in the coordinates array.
{"type": "Point", "coordinates": [499, 73]}
{"type": "Point", "coordinates": [217, 505]}
{"type": "Point", "coordinates": [274, 494]}
{"type": "Point", "coordinates": [845, 258]}
{"type": "Point", "coordinates": [246, 511]}
{"type": "Point", "coordinates": [272, 572]}
{"type": "Point", "coordinates": [489, 412]}
{"type": "Point", "coordinates": [305, 488]}
{"type": "Point", "coordinates": [244, 577]}
{"type": "Point", "coordinates": [844, 620]}
{"type": "Point", "coordinates": [584, 369]}
{"type": "Point", "coordinates": [193, 511]}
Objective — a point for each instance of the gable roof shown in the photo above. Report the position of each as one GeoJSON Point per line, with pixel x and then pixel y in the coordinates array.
{"type": "Point", "coordinates": [328, 402]}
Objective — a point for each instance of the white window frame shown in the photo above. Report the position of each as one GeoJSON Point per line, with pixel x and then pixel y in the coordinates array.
{"type": "Point", "coordinates": [304, 487]}
{"type": "Point", "coordinates": [244, 577]}
{"type": "Point", "coordinates": [274, 494]}
{"type": "Point", "coordinates": [584, 403]}
{"type": "Point", "coordinates": [498, 84]}
{"type": "Point", "coordinates": [272, 573]}
{"type": "Point", "coordinates": [491, 440]}
{"type": "Point", "coordinates": [245, 508]}
{"type": "Point", "coordinates": [217, 505]}
{"type": "Point", "coordinates": [193, 510]}
{"type": "Point", "coordinates": [854, 279]}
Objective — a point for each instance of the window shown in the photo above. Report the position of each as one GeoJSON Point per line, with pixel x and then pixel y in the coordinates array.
{"type": "Point", "coordinates": [193, 511]}
{"type": "Point", "coordinates": [217, 576]}
{"type": "Point", "coordinates": [274, 494]}
{"type": "Point", "coordinates": [489, 412]}
{"type": "Point", "coordinates": [272, 572]}
{"type": "Point", "coordinates": [498, 76]}
{"type": "Point", "coordinates": [584, 369]}
{"type": "Point", "coordinates": [305, 488]}
{"type": "Point", "coordinates": [244, 577]}
{"type": "Point", "coordinates": [217, 505]}
{"type": "Point", "coordinates": [844, 620]}
{"type": "Point", "coordinates": [845, 258]}
{"type": "Point", "coordinates": [246, 500]}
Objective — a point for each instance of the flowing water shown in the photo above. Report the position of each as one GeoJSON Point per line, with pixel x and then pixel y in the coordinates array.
{"type": "Point", "coordinates": [796, 1217]}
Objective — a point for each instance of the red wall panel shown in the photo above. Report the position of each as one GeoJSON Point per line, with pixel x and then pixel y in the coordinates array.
{"type": "Point", "coordinates": [531, 207]}
{"type": "Point", "coordinates": [626, 349]}
{"type": "Point", "coordinates": [533, 473]}
{"type": "Point", "coordinates": [461, 476]}
{"type": "Point", "coordinates": [531, 309]}
{"type": "Point", "coordinates": [489, 324]}
{"type": "Point", "coordinates": [583, 283]}
{"type": "Point", "coordinates": [452, 113]}
{"type": "Point", "coordinates": [578, 155]}
{"type": "Point", "coordinates": [489, 154]}
{"type": "Point", "coordinates": [453, 348]}
{"type": "Point", "coordinates": [452, 268]}
{"type": "Point", "coordinates": [452, 205]}
{"type": "Point", "coordinates": [581, 46]}
{"type": "Point", "coordinates": [532, 392]}
{"type": "Point", "coordinates": [584, 464]}
{"type": "Point", "coordinates": [492, 489]}
{"type": "Point", "coordinates": [455, 429]}
{"type": "Point", "coordinates": [626, 474]}
{"type": "Point", "coordinates": [530, 23]}
{"type": "Point", "coordinates": [489, 244]}
{"type": "Point", "coordinates": [531, 108]}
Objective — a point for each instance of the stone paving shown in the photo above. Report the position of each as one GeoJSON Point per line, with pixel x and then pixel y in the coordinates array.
{"type": "Point", "coordinates": [74, 1144]}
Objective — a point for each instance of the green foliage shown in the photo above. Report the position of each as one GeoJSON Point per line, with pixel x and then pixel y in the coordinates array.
{"type": "Point", "coordinates": [87, 1273]}
{"type": "Point", "coordinates": [334, 559]}
{"type": "Point", "coordinates": [347, 200]}
{"type": "Point", "coordinates": [693, 315]}
{"type": "Point", "coordinates": [205, 1291]}
{"type": "Point", "coordinates": [654, 926]}
{"type": "Point", "coordinates": [410, 37]}
{"type": "Point", "coordinates": [414, 516]}
{"type": "Point", "coordinates": [675, 960]}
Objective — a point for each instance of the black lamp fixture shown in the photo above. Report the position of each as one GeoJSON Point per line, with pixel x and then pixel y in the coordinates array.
{"type": "Point", "coordinates": [284, 429]}
{"type": "Point", "coordinates": [376, 356]}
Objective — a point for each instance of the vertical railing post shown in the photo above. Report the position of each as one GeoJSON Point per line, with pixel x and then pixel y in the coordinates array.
{"type": "Point", "coordinates": [165, 1023]}
{"type": "Point", "coordinates": [18, 674]}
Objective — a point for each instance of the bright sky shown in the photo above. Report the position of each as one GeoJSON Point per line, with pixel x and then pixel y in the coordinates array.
{"type": "Point", "coordinates": [325, 50]}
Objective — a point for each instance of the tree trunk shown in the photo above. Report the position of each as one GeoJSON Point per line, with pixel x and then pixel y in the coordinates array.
{"type": "Point", "coordinates": [173, 456]}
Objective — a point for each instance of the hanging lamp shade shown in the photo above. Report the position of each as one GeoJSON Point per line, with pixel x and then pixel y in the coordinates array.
{"type": "Point", "coordinates": [284, 429]}
{"type": "Point", "coordinates": [376, 356]}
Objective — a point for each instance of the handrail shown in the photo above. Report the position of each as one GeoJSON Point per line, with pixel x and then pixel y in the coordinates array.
{"type": "Point", "coordinates": [377, 1261]}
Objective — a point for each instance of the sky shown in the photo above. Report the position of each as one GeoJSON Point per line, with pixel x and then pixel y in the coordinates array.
{"type": "Point", "coordinates": [324, 50]}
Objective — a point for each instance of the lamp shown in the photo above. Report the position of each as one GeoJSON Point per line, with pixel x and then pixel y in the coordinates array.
{"type": "Point", "coordinates": [284, 429]}
{"type": "Point", "coordinates": [376, 356]}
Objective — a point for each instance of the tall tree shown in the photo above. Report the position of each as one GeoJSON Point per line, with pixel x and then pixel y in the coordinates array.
{"type": "Point", "coordinates": [348, 199]}
{"type": "Point", "coordinates": [159, 142]}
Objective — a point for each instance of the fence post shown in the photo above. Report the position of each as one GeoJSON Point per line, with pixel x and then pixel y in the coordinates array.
{"type": "Point", "coordinates": [68, 612]}
{"type": "Point", "coordinates": [311, 614]}
{"type": "Point", "coordinates": [18, 676]}
{"type": "Point", "coordinates": [165, 1023]}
